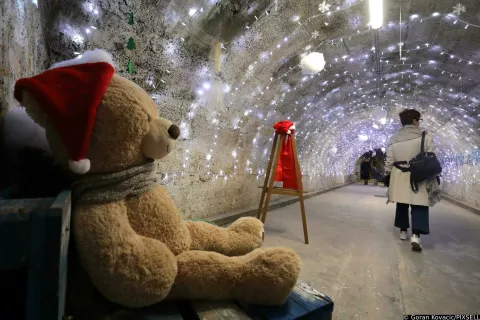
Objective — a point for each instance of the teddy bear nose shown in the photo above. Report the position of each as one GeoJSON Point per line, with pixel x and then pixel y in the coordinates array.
{"type": "Point", "coordinates": [174, 131]}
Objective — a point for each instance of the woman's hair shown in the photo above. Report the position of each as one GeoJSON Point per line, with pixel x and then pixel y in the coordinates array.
{"type": "Point", "coordinates": [408, 115]}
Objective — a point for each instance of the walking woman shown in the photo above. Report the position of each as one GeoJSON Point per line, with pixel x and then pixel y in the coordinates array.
{"type": "Point", "coordinates": [403, 146]}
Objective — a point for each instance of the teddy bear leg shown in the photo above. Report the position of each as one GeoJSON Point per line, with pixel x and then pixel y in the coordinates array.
{"type": "Point", "coordinates": [241, 237]}
{"type": "Point", "coordinates": [265, 276]}
{"type": "Point", "coordinates": [126, 268]}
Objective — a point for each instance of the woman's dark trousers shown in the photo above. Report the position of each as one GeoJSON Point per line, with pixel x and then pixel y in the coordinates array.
{"type": "Point", "coordinates": [420, 223]}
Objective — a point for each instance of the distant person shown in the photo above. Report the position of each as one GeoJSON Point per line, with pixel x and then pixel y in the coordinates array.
{"type": "Point", "coordinates": [403, 146]}
{"type": "Point", "coordinates": [376, 175]}
{"type": "Point", "coordinates": [380, 169]}
{"type": "Point", "coordinates": [365, 171]}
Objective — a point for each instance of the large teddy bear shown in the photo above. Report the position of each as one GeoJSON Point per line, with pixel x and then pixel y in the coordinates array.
{"type": "Point", "coordinates": [129, 235]}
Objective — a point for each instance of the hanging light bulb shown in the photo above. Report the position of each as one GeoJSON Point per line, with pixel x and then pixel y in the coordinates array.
{"type": "Point", "coordinates": [376, 13]}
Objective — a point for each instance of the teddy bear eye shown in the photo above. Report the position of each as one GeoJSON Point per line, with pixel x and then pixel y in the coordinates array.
{"type": "Point", "coordinates": [148, 118]}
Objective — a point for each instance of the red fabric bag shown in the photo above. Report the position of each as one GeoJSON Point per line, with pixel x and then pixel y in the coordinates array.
{"type": "Point", "coordinates": [285, 171]}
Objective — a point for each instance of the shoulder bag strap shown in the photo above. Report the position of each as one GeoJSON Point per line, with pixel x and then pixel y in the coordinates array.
{"type": "Point", "coordinates": [422, 148]}
{"type": "Point", "coordinates": [413, 185]}
{"type": "Point", "coordinates": [398, 165]}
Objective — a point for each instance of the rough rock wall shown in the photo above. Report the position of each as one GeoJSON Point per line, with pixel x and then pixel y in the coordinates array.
{"type": "Point", "coordinates": [23, 53]}
{"type": "Point", "coordinates": [212, 170]}
{"type": "Point", "coordinates": [466, 186]}
{"type": "Point", "coordinates": [23, 50]}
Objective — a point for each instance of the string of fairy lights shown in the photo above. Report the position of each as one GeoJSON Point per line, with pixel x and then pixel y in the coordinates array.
{"type": "Point", "coordinates": [330, 112]}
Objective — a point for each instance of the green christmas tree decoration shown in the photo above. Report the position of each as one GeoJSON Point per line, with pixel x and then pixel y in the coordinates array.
{"type": "Point", "coordinates": [131, 44]}
{"type": "Point", "coordinates": [130, 19]}
{"type": "Point", "coordinates": [130, 68]}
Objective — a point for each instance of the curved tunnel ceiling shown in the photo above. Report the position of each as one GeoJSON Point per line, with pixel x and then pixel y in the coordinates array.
{"type": "Point", "coordinates": [235, 65]}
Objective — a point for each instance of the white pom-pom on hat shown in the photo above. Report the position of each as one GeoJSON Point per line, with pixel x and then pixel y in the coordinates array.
{"type": "Point", "coordinates": [312, 63]}
{"type": "Point", "coordinates": [80, 166]}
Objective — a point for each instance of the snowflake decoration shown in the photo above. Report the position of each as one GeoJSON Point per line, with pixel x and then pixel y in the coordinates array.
{"type": "Point", "coordinates": [249, 73]}
{"type": "Point", "coordinates": [348, 80]}
{"type": "Point", "coordinates": [356, 81]}
{"type": "Point", "coordinates": [324, 7]}
{"type": "Point", "coordinates": [370, 74]}
{"type": "Point", "coordinates": [275, 99]}
{"type": "Point", "coordinates": [458, 9]}
{"type": "Point", "coordinates": [408, 86]}
{"type": "Point", "coordinates": [285, 87]}
{"type": "Point", "coordinates": [257, 36]}
{"type": "Point", "coordinates": [315, 34]}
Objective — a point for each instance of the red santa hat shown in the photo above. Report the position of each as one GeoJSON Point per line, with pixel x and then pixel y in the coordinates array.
{"type": "Point", "coordinates": [69, 93]}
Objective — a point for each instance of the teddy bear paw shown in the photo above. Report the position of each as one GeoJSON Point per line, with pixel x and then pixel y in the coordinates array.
{"type": "Point", "coordinates": [248, 233]}
{"type": "Point", "coordinates": [270, 276]}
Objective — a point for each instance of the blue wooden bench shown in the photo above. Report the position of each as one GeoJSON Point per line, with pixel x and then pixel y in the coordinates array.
{"type": "Point", "coordinates": [34, 237]}
{"type": "Point", "coordinates": [304, 303]}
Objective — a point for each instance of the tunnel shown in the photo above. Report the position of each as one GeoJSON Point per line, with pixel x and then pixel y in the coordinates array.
{"type": "Point", "coordinates": [225, 71]}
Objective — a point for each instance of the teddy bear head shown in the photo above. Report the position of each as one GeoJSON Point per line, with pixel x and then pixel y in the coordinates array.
{"type": "Point", "coordinates": [95, 120]}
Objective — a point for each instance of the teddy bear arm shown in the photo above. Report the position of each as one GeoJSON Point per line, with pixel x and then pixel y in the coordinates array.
{"type": "Point", "coordinates": [127, 268]}
{"type": "Point", "coordinates": [240, 238]}
{"type": "Point", "coordinates": [207, 237]}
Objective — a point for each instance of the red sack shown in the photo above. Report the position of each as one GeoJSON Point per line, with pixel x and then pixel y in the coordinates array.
{"type": "Point", "coordinates": [285, 171]}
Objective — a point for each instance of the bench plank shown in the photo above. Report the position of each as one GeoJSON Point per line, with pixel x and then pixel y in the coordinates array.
{"type": "Point", "coordinates": [14, 245]}
{"type": "Point", "coordinates": [304, 303]}
{"type": "Point", "coordinates": [34, 234]}
{"type": "Point", "coordinates": [19, 210]}
{"type": "Point", "coordinates": [160, 311]}
{"type": "Point", "coordinates": [58, 236]}
{"type": "Point", "coordinates": [218, 310]}
{"type": "Point", "coordinates": [15, 230]}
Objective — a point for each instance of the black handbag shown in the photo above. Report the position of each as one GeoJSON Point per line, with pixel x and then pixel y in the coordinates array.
{"type": "Point", "coordinates": [423, 166]}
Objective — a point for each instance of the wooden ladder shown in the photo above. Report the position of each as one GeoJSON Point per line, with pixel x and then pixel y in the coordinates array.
{"type": "Point", "coordinates": [268, 188]}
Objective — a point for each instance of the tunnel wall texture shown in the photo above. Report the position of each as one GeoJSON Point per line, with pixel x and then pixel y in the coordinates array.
{"type": "Point", "coordinates": [211, 75]}
{"type": "Point", "coordinates": [462, 188]}
{"type": "Point", "coordinates": [197, 193]}
{"type": "Point", "coordinates": [22, 49]}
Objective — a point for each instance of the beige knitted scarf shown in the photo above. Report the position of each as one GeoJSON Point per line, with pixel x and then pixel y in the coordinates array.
{"type": "Point", "coordinates": [109, 187]}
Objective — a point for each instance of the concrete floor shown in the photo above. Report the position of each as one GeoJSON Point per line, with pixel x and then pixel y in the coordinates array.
{"type": "Point", "coordinates": [356, 257]}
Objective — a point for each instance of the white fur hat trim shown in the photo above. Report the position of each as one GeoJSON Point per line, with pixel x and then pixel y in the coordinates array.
{"type": "Point", "coordinates": [93, 56]}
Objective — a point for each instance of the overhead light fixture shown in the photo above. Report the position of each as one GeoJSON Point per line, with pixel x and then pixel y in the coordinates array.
{"type": "Point", "coordinates": [362, 137]}
{"type": "Point", "coordinates": [376, 13]}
